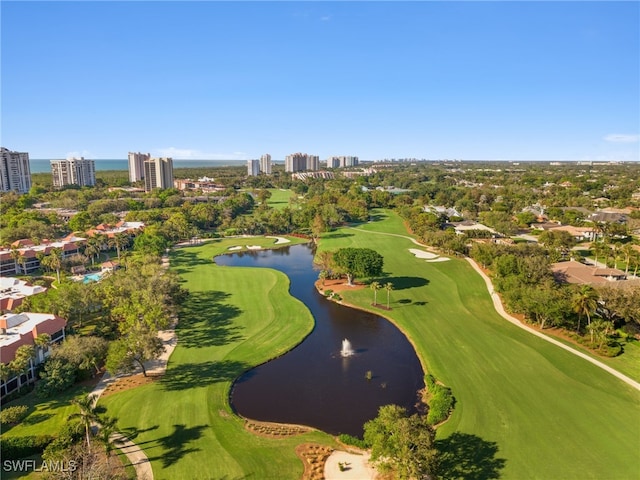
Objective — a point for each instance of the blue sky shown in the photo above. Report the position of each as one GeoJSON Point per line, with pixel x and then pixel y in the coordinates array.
{"type": "Point", "coordinates": [234, 80]}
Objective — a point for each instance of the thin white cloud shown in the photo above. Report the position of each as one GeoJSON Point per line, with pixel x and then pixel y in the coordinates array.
{"type": "Point", "coordinates": [622, 138]}
{"type": "Point", "coordinates": [326, 18]}
{"type": "Point", "coordinates": [194, 154]}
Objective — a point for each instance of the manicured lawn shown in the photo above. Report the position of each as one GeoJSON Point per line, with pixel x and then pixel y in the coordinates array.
{"type": "Point", "coordinates": [45, 417]}
{"type": "Point", "coordinates": [525, 408]}
{"type": "Point", "coordinates": [279, 198]}
{"type": "Point", "coordinates": [234, 319]}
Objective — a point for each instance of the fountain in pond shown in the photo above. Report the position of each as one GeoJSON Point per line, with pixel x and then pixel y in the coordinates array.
{"type": "Point", "coordinates": [347, 349]}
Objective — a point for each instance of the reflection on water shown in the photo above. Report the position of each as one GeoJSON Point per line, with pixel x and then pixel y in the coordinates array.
{"type": "Point", "coordinates": [314, 384]}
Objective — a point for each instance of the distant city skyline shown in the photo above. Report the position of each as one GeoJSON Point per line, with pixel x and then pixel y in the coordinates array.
{"type": "Point", "coordinates": [434, 80]}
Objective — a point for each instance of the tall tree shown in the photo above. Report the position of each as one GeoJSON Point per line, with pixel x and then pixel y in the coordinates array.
{"type": "Point", "coordinates": [120, 240]}
{"type": "Point", "coordinates": [87, 415]}
{"type": "Point", "coordinates": [585, 302]}
{"type": "Point", "coordinates": [358, 262]}
{"type": "Point", "coordinates": [375, 286]}
{"type": "Point", "coordinates": [401, 443]}
{"type": "Point", "coordinates": [388, 287]}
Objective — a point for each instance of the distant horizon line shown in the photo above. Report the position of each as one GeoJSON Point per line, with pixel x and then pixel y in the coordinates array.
{"type": "Point", "coordinates": [395, 160]}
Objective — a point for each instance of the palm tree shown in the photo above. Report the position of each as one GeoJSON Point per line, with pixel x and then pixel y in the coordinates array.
{"type": "Point", "coordinates": [87, 415]}
{"type": "Point", "coordinates": [628, 251]}
{"type": "Point", "coordinates": [54, 260]}
{"type": "Point", "coordinates": [92, 249]}
{"type": "Point", "coordinates": [120, 240]}
{"type": "Point", "coordinates": [15, 255]}
{"type": "Point", "coordinates": [375, 286]}
{"type": "Point", "coordinates": [42, 342]}
{"type": "Point", "coordinates": [388, 287]}
{"type": "Point", "coordinates": [585, 302]}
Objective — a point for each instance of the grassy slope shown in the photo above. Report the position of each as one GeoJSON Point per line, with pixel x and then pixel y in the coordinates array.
{"type": "Point", "coordinates": [236, 318]}
{"type": "Point", "coordinates": [549, 413]}
{"type": "Point", "coordinates": [279, 198]}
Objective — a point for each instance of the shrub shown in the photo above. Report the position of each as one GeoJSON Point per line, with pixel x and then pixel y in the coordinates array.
{"type": "Point", "coordinates": [14, 448]}
{"type": "Point", "coordinates": [12, 415]}
{"type": "Point", "coordinates": [440, 400]}
{"type": "Point", "coordinates": [337, 297]}
{"type": "Point", "coordinates": [351, 440]}
{"type": "Point", "coordinates": [327, 293]}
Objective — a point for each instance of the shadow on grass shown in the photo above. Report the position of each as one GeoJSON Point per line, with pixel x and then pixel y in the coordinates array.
{"type": "Point", "coordinates": [401, 283]}
{"type": "Point", "coordinates": [36, 418]}
{"type": "Point", "coordinates": [175, 445]}
{"type": "Point", "coordinates": [201, 374]}
{"type": "Point", "coordinates": [469, 457]}
{"type": "Point", "coordinates": [132, 432]}
{"type": "Point", "coordinates": [184, 259]}
{"type": "Point", "coordinates": [337, 235]}
{"type": "Point", "coordinates": [207, 321]}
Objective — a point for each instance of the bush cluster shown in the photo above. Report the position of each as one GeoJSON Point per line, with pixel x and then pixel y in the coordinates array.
{"type": "Point", "coordinates": [440, 401]}
{"type": "Point", "coordinates": [12, 415]}
{"type": "Point", "coordinates": [14, 448]}
{"type": "Point", "coordinates": [351, 440]}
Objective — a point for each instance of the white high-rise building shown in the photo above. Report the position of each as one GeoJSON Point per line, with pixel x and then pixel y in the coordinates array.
{"type": "Point", "coordinates": [253, 168]}
{"type": "Point", "coordinates": [265, 164]}
{"type": "Point", "coordinates": [298, 162]}
{"type": "Point", "coordinates": [73, 171]}
{"type": "Point", "coordinates": [313, 162]}
{"type": "Point", "coordinates": [136, 165]}
{"type": "Point", "coordinates": [158, 173]}
{"type": "Point", "coordinates": [15, 172]}
{"type": "Point", "coordinates": [341, 162]}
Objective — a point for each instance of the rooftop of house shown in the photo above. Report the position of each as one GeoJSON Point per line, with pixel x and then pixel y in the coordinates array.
{"type": "Point", "coordinates": [579, 273]}
{"type": "Point", "coordinates": [22, 328]}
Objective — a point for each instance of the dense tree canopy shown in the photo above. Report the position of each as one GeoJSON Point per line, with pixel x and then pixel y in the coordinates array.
{"type": "Point", "coordinates": [358, 262]}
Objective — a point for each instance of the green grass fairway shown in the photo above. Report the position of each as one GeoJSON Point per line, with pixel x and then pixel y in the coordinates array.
{"type": "Point", "coordinates": [279, 198]}
{"type": "Point", "coordinates": [525, 408]}
{"type": "Point", "coordinates": [235, 318]}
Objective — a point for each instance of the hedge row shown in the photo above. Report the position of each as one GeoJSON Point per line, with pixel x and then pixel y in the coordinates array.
{"type": "Point", "coordinates": [351, 440]}
{"type": "Point", "coordinates": [14, 448]}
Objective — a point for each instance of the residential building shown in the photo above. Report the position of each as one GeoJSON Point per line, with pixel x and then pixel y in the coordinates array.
{"type": "Point", "coordinates": [73, 171]}
{"type": "Point", "coordinates": [253, 168]}
{"type": "Point", "coordinates": [313, 162]}
{"type": "Point", "coordinates": [206, 184]}
{"type": "Point", "coordinates": [21, 329]}
{"type": "Point", "coordinates": [131, 228]}
{"type": "Point", "coordinates": [265, 164]}
{"type": "Point", "coordinates": [13, 291]}
{"type": "Point", "coordinates": [342, 162]}
{"type": "Point", "coordinates": [136, 166]}
{"type": "Point", "coordinates": [15, 172]}
{"type": "Point", "coordinates": [296, 162]}
{"type": "Point", "coordinates": [158, 173]}
{"type": "Point", "coordinates": [28, 252]}
{"type": "Point", "coordinates": [579, 273]}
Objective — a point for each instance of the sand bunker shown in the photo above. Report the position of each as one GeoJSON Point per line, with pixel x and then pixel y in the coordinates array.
{"type": "Point", "coordinates": [254, 247]}
{"type": "Point", "coordinates": [237, 247]}
{"type": "Point", "coordinates": [422, 253]}
{"type": "Point", "coordinates": [356, 467]}
{"type": "Point", "coordinates": [441, 259]}
{"type": "Point", "coordinates": [280, 240]}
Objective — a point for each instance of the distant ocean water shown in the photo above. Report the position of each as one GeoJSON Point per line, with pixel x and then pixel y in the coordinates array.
{"type": "Point", "coordinates": [44, 166]}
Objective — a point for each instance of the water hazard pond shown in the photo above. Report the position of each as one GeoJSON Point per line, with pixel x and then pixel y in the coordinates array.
{"type": "Point", "coordinates": [313, 384]}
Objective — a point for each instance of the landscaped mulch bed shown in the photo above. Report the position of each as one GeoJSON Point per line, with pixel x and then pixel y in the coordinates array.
{"type": "Point", "coordinates": [125, 383]}
{"type": "Point", "coordinates": [313, 457]}
{"type": "Point", "coordinates": [275, 430]}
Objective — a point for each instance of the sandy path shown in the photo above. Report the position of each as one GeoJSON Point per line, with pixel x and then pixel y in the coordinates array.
{"type": "Point", "coordinates": [497, 303]}
{"type": "Point", "coordinates": [134, 453]}
{"type": "Point", "coordinates": [357, 467]}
